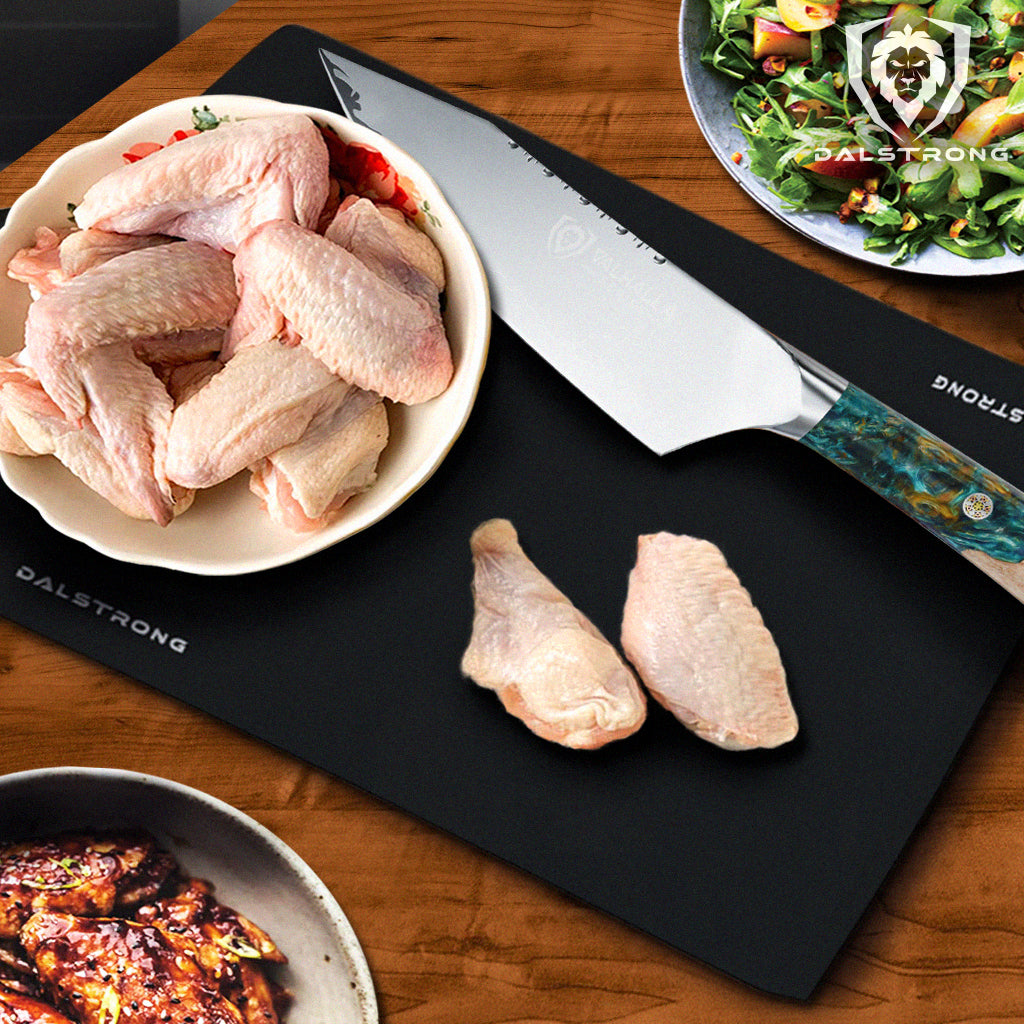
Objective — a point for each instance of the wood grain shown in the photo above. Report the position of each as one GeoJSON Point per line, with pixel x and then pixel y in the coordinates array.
{"type": "Point", "coordinates": [451, 934]}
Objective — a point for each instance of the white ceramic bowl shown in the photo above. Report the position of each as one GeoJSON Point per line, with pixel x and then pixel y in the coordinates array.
{"type": "Point", "coordinates": [225, 532]}
{"type": "Point", "coordinates": [250, 868]}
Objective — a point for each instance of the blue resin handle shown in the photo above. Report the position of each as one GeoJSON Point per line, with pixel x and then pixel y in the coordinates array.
{"type": "Point", "coordinates": [971, 509]}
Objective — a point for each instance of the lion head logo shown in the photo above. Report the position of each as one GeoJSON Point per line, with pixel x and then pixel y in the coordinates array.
{"type": "Point", "coordinates": [908, 68]}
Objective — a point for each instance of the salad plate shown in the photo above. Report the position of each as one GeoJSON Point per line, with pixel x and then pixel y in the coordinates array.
{"type": "Point", "coordinates": [225, 532]}
{"type": "Point", "coordinates": [710, 96]}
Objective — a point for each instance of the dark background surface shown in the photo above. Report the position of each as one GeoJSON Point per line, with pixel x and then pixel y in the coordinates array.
{"type": "Point", "coordinates": [759, 864]}
{"type": "Point", "coordinates": [58, 57]}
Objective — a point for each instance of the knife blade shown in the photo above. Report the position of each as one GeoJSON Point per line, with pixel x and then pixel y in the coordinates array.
{"type": "Point", "coordinates": [658, 351]}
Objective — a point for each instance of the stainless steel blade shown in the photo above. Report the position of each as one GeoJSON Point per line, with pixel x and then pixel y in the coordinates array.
{"type": "Point", "coordinates": [663, 355]}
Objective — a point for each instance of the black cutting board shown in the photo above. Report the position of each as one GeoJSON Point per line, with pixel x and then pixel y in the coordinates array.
{"type": "Point", "coordinates": [759, 864]}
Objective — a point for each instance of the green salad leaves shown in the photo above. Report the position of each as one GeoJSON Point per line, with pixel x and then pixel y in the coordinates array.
{"type": "Point", "coordinates": [959, 184]}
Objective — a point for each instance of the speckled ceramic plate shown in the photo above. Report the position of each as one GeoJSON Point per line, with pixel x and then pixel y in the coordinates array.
{"type": "Point", "coordinates": [250, 868]}
{"type": "Point", "coordinates": [225, 532]}
{"type": "Point", "coordinates": [710, 95]}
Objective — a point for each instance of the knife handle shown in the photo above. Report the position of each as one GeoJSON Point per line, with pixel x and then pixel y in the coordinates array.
{"type": "Point", "coordinates": [966, 506]}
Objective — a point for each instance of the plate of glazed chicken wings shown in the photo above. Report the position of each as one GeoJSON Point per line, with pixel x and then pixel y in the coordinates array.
{"type": "Point", "coordinates": [233, 332]}
{"type": "Point", "coordinates": [128, 897]}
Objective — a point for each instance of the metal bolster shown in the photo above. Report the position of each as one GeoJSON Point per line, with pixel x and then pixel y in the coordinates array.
{"type": "Point", "coordinates": [821, 389]}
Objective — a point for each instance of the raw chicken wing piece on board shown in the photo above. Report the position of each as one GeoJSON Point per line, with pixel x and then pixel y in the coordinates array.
{"type": "Point", "coordinates": [701, 647]}
{"type": "Point", "coordinates": [217, 186]}
{"type": "Point", "coordinates": [549, 665]}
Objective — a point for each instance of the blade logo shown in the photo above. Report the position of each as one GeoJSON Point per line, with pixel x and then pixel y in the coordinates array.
{"type": "Point", "coordinates": [569, 237]}
{"type": "Point", "coordinates": [908, 68]}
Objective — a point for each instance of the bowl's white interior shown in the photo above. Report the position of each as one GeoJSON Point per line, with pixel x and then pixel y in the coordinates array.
{"type": "Point", "coordinates": [225, 531]}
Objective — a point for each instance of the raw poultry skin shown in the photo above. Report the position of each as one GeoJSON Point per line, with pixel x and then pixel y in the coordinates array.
{"type": "Point", "coordinates": [230, 948]}
{"type": "Point", "coordinates": [362, 327]}
{"type": "Point", "coordinates": [96, 967]}
{"type": "Point", "coordinates": [58, 256]}
{"type": "Point", "coordinates": [87, 341]}
{"type": "Point", "coordinates": [217, 186]}
{"type": "Point", "coordinates": [78, 873]}
{"type": "Point", "coordinates": [547, 662]}
{"type": "Point", "coordinates": [396, 251]}
{"type": "Point", "coordinates": [701, 647]}
{"type": "Point", "coordinates": [262, 399]}
{"type": "Point", "coordinates": [304, 485]}
{"type": "Point", "coordinates": [30, 424]}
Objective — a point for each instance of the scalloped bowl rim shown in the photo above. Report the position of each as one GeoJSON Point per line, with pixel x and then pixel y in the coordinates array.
{"type": "Point", "coordinates": [70, 507]}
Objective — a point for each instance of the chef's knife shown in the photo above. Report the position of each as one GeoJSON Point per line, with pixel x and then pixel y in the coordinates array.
{"type": "Point", "coordinates": [655, 349]}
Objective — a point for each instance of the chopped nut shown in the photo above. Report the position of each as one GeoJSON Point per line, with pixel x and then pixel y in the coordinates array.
{"type": "Point", "coordinates": [838, 79]}
{"type": "Point", "coordinates": [861, 200]}
{"type": "Point", "coordinates": [910, 222]}
{"type": "Point", "coordinates": [871, 184]}
{"type": "Point", "coordinates": [800, 110]}
{"type": "Point", "coordinates": [997, 62]}
{"type": "Point", "coordinates": [957, 227]}
{"type": "Point", "coordinates": [774, 66]}
{"type": "Point", "coordinates": [736, 158]}
{"type": "Point", "coordinates": [764, 105]}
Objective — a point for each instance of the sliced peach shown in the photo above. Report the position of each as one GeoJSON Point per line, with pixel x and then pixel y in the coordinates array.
{"type": "Point", "coordinates": [807, 15]}
{"type": "Point", "coordinates": [910, 143]}
{"type": "Point", "coordinates": [1016, 68]}
{"type": "Point", "coordinates": [772, 39]}
{"type": "Point", "coordinates": [903, 15]}
{"type": "Point", "coordinates": [987, 122]}
{"type": "Point", "coordinates": [851, 162]}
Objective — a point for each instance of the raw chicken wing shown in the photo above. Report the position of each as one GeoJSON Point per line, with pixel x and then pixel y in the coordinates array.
{"type": "Point", "coordinates": [305, 484]}
{"type": "Point", "coordinates": [262, 399]}
{"type": "Point", "coordinates": [30, 424]}
{"type": "Point", "coordinates": [85, 338]}
{"type": "Point", "coordinates": [58, 256]}
{"type": "Point", "coordinates": [217, 186]}
{"type": "Point", "coordinates": [701, 647]}
{"type": "Point", "coordinates": [394, 250]}
{"type": "Point", "coordinates": [548, 663]}
{"type": "Point", "coordinates": [366, 330]}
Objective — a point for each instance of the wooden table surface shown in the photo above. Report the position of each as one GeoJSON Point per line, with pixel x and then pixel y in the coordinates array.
{"type": "Point", "coordinates": [452, 934]}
